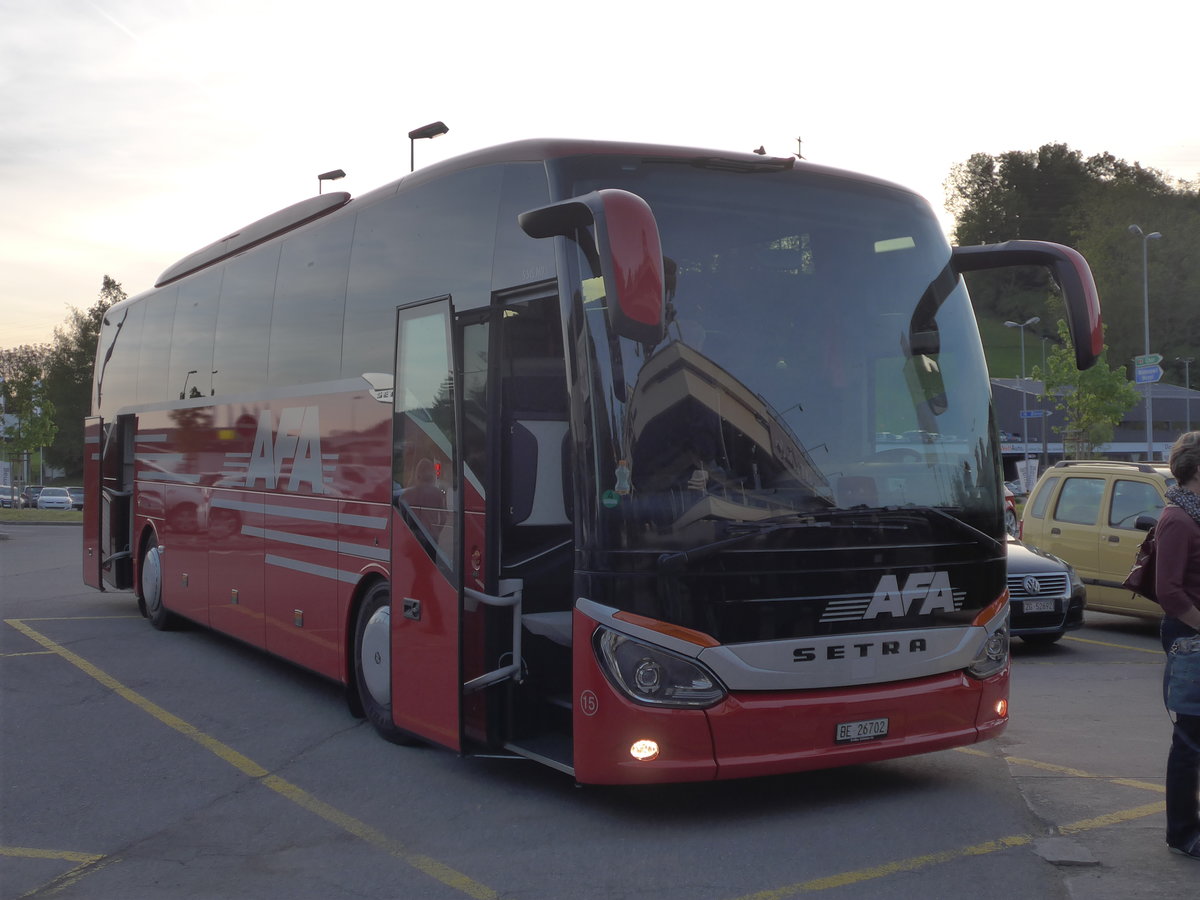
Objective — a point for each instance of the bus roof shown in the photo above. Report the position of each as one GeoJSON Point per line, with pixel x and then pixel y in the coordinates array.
{"type": "Point", "coordinates": [531, 150]}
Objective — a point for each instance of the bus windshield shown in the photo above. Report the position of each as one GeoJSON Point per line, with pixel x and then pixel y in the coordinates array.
{"type": "Point", "coordinates": [821, 357]}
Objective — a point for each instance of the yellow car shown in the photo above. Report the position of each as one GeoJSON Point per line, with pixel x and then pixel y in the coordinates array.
{"type": "Point", "coordinates": [1086, 512]}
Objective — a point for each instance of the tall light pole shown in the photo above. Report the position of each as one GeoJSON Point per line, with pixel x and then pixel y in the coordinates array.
{"type": "Point", "coordinates": [1045, 449]}
{"type": "Point", "coordinates": [331, 175]}
{"type": "Point", "coordinates": [1187, 383]}
{"type": "Point", "coordinates": [1146, 239]}
{"type": "Point", "coordinates": [432, 130]}
{"type": "Point", "coordinates": [1024, 394]}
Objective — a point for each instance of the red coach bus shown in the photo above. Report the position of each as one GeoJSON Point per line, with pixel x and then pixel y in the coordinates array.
{"type": "Point", "coordinates": [648, 463]}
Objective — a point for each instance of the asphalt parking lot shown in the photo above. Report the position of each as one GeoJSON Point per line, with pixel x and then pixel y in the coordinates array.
{"type": "Point", "coordinates": [122, 779]}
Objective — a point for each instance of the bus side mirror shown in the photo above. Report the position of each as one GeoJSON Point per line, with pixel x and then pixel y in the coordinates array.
{"type": "Point", "coordinates": [627, 255]}
{"type": "Point", "coordinates": [1070, 270]}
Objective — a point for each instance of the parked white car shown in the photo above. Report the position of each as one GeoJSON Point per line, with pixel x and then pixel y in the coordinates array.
{"type": "Point", "coordinates": [54, 498]}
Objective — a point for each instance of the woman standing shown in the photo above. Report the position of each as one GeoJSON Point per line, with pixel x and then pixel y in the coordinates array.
{"type": "Point", "coordinates": [1177, 580]}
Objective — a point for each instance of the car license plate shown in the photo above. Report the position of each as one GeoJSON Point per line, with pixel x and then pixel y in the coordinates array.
{"type": "Point", "coordinates": [1032, 606]}
{"type": "Point", "coordinates": [867, 730]}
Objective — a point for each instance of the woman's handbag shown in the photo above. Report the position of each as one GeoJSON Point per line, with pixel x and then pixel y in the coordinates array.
{"type": "Point", "coordinates": [1140, 579]}
{"type": "Point", "coordinates": [1181, 685]}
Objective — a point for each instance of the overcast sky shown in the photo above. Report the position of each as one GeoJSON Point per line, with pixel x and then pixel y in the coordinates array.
{"type": "Point", "coordinates": [133, 132]}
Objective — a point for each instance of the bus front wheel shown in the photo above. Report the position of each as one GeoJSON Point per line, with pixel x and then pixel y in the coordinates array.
{"type": "Point", "coordinates": [150, 599]}
{"type": "Point", "coordinates": [373, 662]}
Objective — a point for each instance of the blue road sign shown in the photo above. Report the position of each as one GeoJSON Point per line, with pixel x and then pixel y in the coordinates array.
{"type": "Point", "coordinates": [1032, 413]}
{"type": "Point", "coordinates": [1147, 374]}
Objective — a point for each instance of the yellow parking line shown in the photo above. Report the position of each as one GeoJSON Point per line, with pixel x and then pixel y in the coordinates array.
{"type": "Point", "coordinates": [1078, 773]}
{"type": "Point", "coordinates": [904, 865]}
{"type": "Point", "coordinates": [1156, 651]}
{"type": "Point", "coordinates": [1067, 770]}
{"type": "Point", "coordinates": [916, 863]}
{"type": "Point", "coordinates": [247, 766]}
{"type": "Point", "coordinates": [34, 853]}
{"type": "Point", "coordinates": [87, 863]}
{"type": "Point", "coordinates": [1114, 818]}
{"type": "Point", "coordinates": [932, 859]}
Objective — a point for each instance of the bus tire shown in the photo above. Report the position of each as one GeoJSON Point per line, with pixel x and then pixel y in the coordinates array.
{"type": "Point", "coordinates": [150, 599]}
{"type": "Point", "coordinates": [373, 662]}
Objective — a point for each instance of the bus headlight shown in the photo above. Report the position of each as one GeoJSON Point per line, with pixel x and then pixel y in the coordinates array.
{"type": "Point", "coordinates": [652, 675]}
{"type": "Point", "coordinates": [993, 655]}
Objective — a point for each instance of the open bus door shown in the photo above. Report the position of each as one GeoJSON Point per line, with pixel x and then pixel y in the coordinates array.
{"type": "Point", "coordinates": [108, 495]}
{"type": "Point", "coordinates": [425, 682]}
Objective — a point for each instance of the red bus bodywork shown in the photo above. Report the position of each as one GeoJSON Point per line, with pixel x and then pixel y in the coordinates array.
{"type": "Point", "coordinates": [276, 511]}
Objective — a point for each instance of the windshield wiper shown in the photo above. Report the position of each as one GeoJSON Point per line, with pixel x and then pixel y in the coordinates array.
{"type": "Point", "coordinates": [966, 526]}
{"type": "Point", "coordinates": [678, 560]}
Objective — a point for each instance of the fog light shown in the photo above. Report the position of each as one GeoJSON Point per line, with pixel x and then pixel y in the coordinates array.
{"type": "Point", "coordinates": [1001, 708]}
{"type": "Point", "coordinates": [644, 750]}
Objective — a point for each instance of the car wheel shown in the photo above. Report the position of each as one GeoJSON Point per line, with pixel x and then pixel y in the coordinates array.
{"type": "Point", "coordinates": [373, 663]}
{"type": "Point", "coordinates": [1010, 522]}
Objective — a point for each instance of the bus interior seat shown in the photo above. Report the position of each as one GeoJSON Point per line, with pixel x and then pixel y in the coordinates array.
{"type": "Point", "coordinates": [536, 538]}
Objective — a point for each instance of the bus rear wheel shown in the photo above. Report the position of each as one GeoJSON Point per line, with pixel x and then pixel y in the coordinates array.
{"type": "Point", "coordinates": [373, 662]}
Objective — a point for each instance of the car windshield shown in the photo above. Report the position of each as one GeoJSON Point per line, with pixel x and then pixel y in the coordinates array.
{"type": "Point", "coordinates": [821, 356]}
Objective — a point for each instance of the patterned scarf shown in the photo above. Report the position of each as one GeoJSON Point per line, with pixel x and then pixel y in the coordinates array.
{"type": "Point", "coordinates": [1185, 500]}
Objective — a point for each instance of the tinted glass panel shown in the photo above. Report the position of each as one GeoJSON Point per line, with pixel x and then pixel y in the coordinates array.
{"type": "Point", "coordinates": [1079, 501]}
{"type": "Point", "coordinates": [1132, 499]}
{"type": "Point", "coordinates": [117, 360]}
{"type": "Point", "coordinates": [521, 259]}
{"type": "Point", "coordinates": [156, 347]}
{"type": "Point", "coordinates": [423, 460]}
{"type": "Point", "coordinates": [426, 241]}
{"type": "Point", "coordinates": [244, 321]}
{"type": "Point", "coordinates": [1037, 509]}
{"type": "Point", "coordinates": [821, 355]}
{"type": "Point", "coordinates": [192, 348]}
{"type": "Point", "coordinates": [310, 302]}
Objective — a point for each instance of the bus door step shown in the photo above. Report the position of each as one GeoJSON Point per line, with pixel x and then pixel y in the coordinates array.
{"type": "Point", "coordinates": [553, 750]}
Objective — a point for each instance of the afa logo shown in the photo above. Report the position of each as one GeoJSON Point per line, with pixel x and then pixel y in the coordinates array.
{"type": "Point", "coordinates": [923, 593]}
{"type": "Point", "coordinates": [288, 452]}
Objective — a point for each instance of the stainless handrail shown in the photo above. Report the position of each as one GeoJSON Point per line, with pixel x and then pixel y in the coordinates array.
{"type": "Point", "coordinates": [512, 598]}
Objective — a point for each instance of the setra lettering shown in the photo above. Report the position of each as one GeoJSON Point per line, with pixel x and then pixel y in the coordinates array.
{"type": "Point", "coordinates": [862, 650]}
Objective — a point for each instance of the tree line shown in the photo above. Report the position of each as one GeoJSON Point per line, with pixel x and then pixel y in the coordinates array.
{"type": "Point", "coordinates": [1056, 194]}
{"type": "Point", "coordinates": [46, 389]}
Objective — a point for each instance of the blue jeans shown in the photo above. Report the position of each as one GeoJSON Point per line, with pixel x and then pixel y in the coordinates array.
{"type": "Point", "coordinates": [1183, 762]}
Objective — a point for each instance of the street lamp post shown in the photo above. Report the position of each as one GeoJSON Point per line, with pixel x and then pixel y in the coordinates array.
{"type": "Point", "coordinates": [1146, 238]}
{"type": "Point", "coordinates": [1045, 449]}
{"type": "Point", "coordinates": [1024, 395]}
{"type": "Point", "coordinates": [1187, 383]}
{"type": "Point", "coordinates": [432, 130]}
{"type": "Point", "coordinates": [331, 175]}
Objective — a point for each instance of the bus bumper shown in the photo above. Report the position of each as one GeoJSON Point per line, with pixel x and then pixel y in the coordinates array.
{"type": "Point", "coordinates": [768, 733]}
